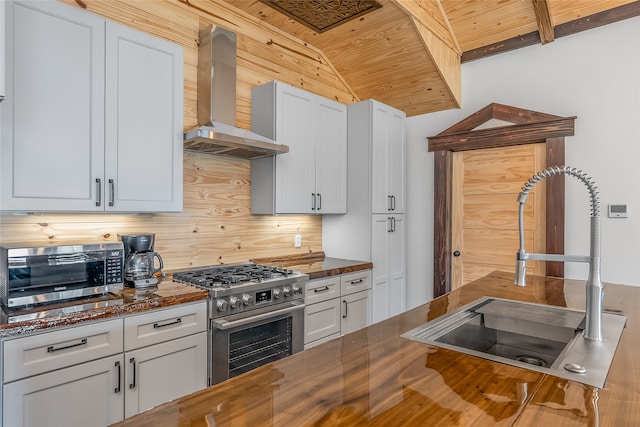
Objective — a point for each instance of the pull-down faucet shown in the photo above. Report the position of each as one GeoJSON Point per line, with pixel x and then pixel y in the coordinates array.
{"type": "Point", "coordinates": [594, 289]}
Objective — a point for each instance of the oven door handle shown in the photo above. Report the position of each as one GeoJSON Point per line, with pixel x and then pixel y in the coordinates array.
{"type": "Point", "coordinates": [224, 324]}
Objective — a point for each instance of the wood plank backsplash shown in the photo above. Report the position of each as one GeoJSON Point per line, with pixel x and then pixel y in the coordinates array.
{"type": "Point", "coordinates": [216, 224]}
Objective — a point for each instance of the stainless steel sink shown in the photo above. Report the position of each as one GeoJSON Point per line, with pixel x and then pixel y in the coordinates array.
{"type": "Point", "coordinates": [538, 337]}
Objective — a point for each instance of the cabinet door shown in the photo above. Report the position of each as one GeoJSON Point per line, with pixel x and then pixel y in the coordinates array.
{"type": "Point", "coordinates": [163, 372]}
{"type": "Point", "coordinates": [388, 159]}
{"type": "Point", "coordinates": [143, 122]}
{"type": "Point", "coordinates": [379, 158]}
{"type": "Point", "coordinates": [331, 157]}
{"type": "Point", "coordinates": [381, 227]}
{"type": "Point", "coordinates": [356, 313]}
{"type": "Point", "coordinates": [396, 173]}
{"type": "Point", "coordinates": [89, 394]}
{"type": "Point", "coordinates": [295, 170]}
{"type": "Point", "coordinates": [321, 320]}
{"type": "Point", "coordinates": [396, 265]}
{"type": "Point", "coordinates": [52, 139]}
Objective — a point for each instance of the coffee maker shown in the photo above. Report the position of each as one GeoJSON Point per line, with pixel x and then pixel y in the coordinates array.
{"type": "Point", "coordinates": [139, 268]}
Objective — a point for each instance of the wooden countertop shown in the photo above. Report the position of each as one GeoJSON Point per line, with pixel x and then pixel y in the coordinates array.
{"type": "Point", "coordinates": [373, 377]}
{"type": "Point", "coordinates": [316, 264]}
{"type": "Point", "coordinates": [127, 301]}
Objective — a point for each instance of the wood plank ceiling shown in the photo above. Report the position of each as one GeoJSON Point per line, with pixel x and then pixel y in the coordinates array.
{"type": "Point", "coordinates": [408, 54]}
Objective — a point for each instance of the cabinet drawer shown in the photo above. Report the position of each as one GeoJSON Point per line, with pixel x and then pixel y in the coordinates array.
{"type": "Point", "coordinates": [321, 320]}
{"type": "Point", "coordinates": [163, 325]}
{"type": "Point", "coordinates": [322, 290]}
{"type": "Point", "coordinates": [44, 352]}
{"type": "Point", "coordinates": [355, 282]}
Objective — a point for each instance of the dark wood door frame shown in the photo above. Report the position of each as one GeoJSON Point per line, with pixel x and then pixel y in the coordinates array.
{"type": "Point", "coordinates": [528, 127]}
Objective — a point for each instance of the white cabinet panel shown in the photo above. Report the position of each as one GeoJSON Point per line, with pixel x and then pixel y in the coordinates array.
{"type": "Point", "coordinates": [373, 228]}
{"type": "Point", "coordinates": [356, 312]}
{"type": "Point", "coordinates": [322, 290]}
{"type": "Point", "coordinates": [163, 372]}
{"type": "Point", "coordinates": [321, 320]}
{"type": "Point", "coordinates": [35, 354]}
{"type": "Point", "coordinates": [311, 177]}
{"type": "Point", "coordinates": [163, 325]}
{"type": "Point", "coordinates": [85, 395]}
{"type": "Point", "coordinates": [143, 129]}
{"type": "Point", "coordinates": [93, 115]}
{"type": "Point", "coordinates": [52, 119]}
{"type": "Point", "coordinates": [336, 305]}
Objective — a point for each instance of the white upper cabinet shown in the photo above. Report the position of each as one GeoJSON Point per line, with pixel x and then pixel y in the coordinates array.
{"type": "Point", "coordinates": [92, 119]}
{"type": "Point", "coordinates": [388, 157]}
{"type": "Point", "coordinates": [3, 37]}
{"type": "Point", "coordinates": [143, 121]}
{"type": "Point", "coordinates": [311, 177]}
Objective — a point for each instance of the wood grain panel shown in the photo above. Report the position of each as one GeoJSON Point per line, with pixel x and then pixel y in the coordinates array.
{"type": "Point", "coordinates": [216, 224]}
{"type": "Point", "coordinates": [475, 22]}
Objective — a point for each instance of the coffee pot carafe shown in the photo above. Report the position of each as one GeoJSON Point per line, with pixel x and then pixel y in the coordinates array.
{"type": "Point", "coordinates": [139, 264]}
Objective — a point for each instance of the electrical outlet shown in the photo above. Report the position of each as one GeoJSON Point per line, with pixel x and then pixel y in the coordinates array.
{"type": "Point", "coordinates": [297, 241]}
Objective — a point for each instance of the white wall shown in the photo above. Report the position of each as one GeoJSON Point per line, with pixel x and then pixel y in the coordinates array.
{"type": "Point", "coordinates": [594, 75]}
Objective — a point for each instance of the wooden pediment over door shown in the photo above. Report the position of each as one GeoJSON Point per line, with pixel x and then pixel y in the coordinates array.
{"type": "Point", "coordinates": [522, 127]}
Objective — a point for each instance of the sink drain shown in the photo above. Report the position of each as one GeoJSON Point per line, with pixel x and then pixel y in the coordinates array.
{"type": "Point", "coordinates": [532, 360]}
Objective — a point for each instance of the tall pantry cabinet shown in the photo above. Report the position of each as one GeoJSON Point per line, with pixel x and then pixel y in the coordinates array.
{"type": "Point", "coordinates": [373, 227]}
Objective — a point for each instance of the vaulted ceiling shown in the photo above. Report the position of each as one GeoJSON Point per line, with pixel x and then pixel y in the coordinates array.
{"type": "Point", "coordinates": [408, 54]}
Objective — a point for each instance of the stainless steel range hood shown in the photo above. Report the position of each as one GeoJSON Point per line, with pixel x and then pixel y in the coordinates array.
{"type": "Point", "coordinates": [217, 133]}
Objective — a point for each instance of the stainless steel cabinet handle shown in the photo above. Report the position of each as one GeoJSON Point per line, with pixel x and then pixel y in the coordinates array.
{"type": "Point", "coordinates": [393, 203]}
{"type": "Point", "coordinates": [322, 289]}
{"type": "Point", "coordinates": [52, 348]}
{"type": "Point", "coordinates": [393, 224]}
{"type": "Point", "coordinates": [389, 203]}
{"type": "Point", "coordinates": [98, 191]}
{"type": "Point", "coordinates": [344, 316]}
{"type": "Point", "coordinates": [111, 192]}
{"type": "Point", "coordinates": [355, 282]}
{"type": "Point", "coordinates": [319, 201]}
{"type": "Point", "coordinates": [313, 201]}
{"type": "Point", "coordinates": [389, 225]}
{"type": "Point", "coordinates": [117, 390]}
{"type": "Point", "coordinates": [175, 322]}
{"type": "Point", "coordinates": [133, 363]}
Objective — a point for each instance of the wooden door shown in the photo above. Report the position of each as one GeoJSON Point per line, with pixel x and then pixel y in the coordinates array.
{"type": "Point", "coordinates": [485, 187]}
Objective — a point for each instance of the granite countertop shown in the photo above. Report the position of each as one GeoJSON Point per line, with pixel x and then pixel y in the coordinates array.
{"type": "Point", "coordinates": [316, 264]}
{"type": "Point", "coordinates": [127, 301]}
{"type": "Point", "coordinates": [374, 377]}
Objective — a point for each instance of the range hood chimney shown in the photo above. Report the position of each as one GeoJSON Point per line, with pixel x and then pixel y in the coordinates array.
{"type": "Point", "coordinates": [216, 132]}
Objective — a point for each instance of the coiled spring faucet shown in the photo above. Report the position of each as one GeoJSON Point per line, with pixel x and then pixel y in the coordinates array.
{"type": "Point", "coordinates": [594, 289]}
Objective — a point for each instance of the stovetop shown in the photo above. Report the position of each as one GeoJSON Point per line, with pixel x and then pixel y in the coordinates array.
{"type": "Point", "coordinates": [227, 276]}
{"type": "Point", "coordinates": [231, 279]}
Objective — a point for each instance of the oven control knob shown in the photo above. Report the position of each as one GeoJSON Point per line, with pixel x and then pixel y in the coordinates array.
{"type": "Point", "coordinates": [234, 302]}
{"type": "Point", "coordinates": [297, 290]}
{"type": "Point", "coordinates": [286, 291]}
{"type": "Point", "coordinates": [276, 293]}
{"type": "Point", "coordinates": [222, 305]}
{"type": "Point", "coordinates": [247, 299]}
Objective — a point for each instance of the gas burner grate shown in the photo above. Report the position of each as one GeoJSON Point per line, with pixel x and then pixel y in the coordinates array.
{"type": "Point", "coordinates": [226, 276]}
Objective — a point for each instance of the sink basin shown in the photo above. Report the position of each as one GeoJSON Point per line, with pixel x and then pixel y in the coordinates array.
{"type": "Point", "coordinates": [538, 337]}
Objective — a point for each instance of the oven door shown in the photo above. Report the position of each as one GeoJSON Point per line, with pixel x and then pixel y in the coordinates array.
{"type": "Point", "coordinates": [242, 342]}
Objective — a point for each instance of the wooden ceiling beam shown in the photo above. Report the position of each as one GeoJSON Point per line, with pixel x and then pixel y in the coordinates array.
{"type": "Point", "coordinates": [543, 18]}
{"type": "Point", "coordinates": [616, 14]}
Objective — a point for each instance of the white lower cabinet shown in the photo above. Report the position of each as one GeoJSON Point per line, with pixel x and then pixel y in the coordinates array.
{"type": "Point", "coordinates": [84, 395]}
{"type": "Point", "coordinates": [336, 306]}
{"type": "Point", "coordinates": [100, 373]}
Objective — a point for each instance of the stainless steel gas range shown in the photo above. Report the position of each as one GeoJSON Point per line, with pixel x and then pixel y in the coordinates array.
{"type": "Point", "coordinates": [256, 314]}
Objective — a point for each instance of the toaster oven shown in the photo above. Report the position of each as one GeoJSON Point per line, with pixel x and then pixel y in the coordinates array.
{"type": "Point", "coordinates": [31, 275]}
